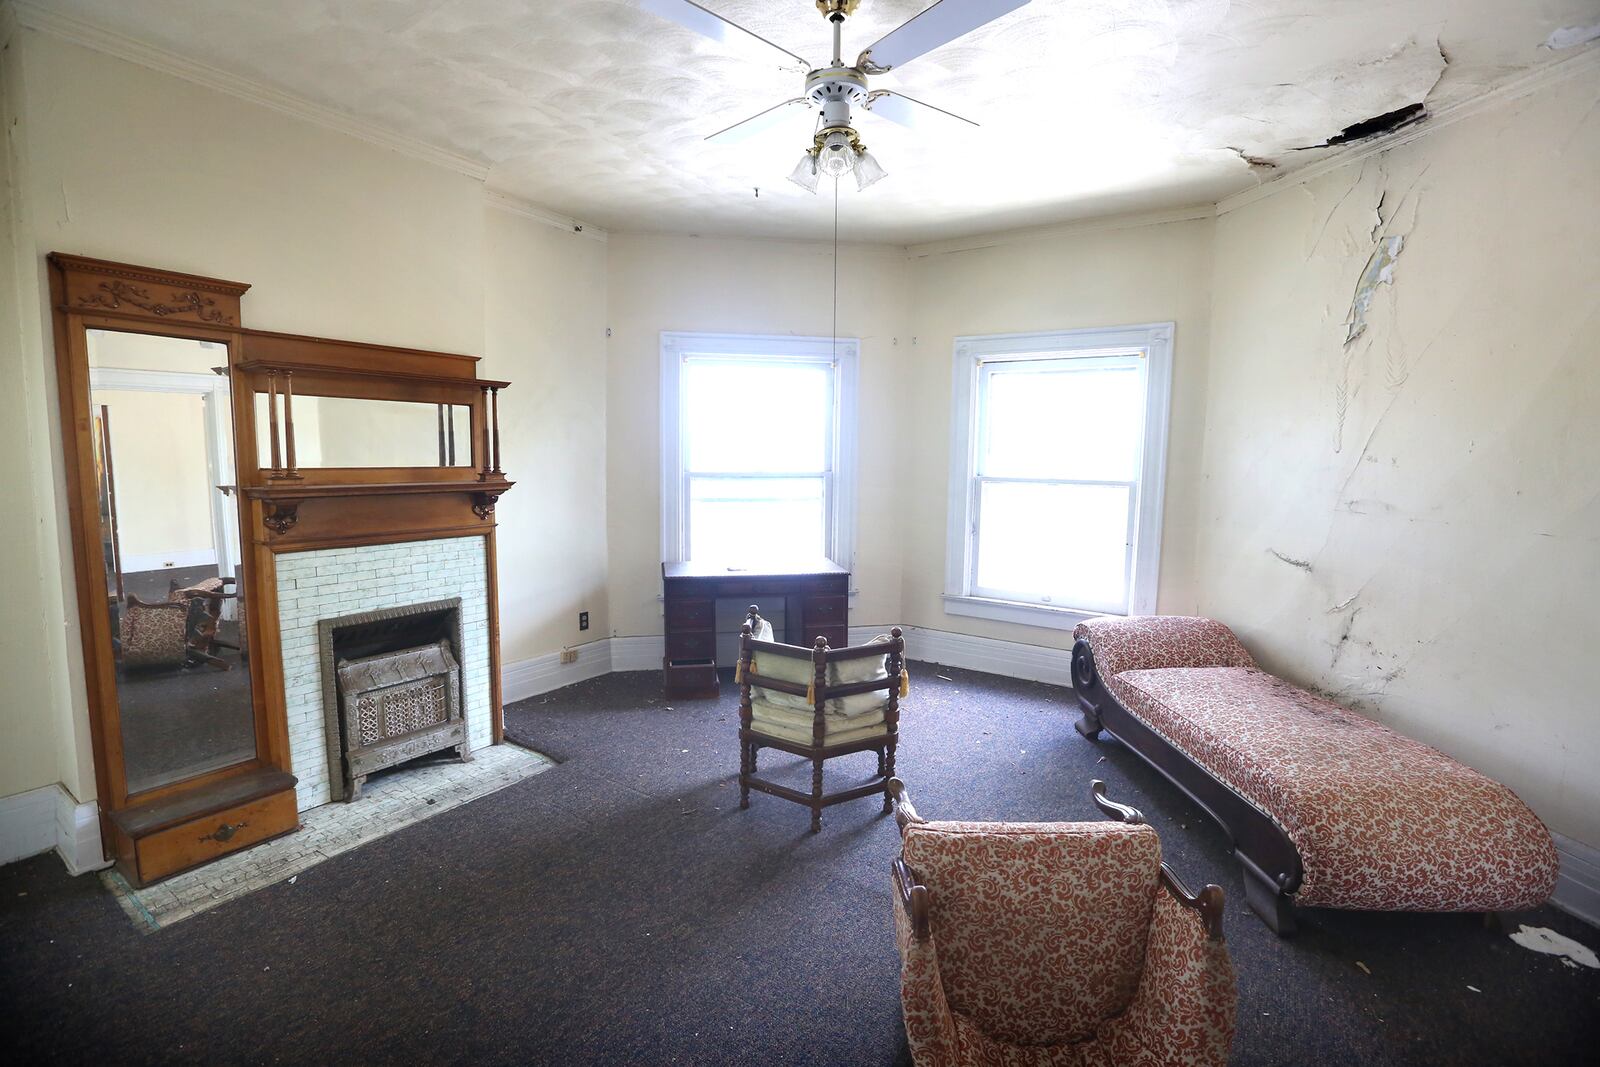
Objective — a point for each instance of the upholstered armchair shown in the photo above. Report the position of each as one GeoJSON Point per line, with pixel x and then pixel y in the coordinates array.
{"type": "Point", "coordinates": [1056, 944]}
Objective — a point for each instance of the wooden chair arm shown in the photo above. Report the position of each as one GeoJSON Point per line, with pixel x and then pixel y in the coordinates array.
{"type": "Point", "coordinates": [1208, 902]}
{"type": "Point", "coordinates": [1119, 812]}
{"type": "Point", "coordinates": [880, 648]}
{"type": "Point", "coordinates": [775, 684]}
{"type": "Point", "coordinates": [904, 813]}
{"type": "Point", "coordinates": [913, 898]}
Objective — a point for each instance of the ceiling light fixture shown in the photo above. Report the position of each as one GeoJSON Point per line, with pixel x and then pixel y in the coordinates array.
{"type": "Point", "coordinates": [837, 151]}
{"type": "Point", "coordinates": [837, 87]}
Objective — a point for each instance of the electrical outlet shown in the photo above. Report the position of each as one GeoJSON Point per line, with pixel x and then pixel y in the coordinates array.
{"type": "Point", "coordinates": [569, 655]}
{"type": "Point", "coordinates": [583, 620]}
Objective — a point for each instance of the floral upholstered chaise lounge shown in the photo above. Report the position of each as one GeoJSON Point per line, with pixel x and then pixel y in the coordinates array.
{"type": "Point", "coordinates": [1325, 808]}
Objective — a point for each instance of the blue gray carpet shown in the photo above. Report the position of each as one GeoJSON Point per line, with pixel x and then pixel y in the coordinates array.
{"type": "Point", "coordinates": [621, 909]}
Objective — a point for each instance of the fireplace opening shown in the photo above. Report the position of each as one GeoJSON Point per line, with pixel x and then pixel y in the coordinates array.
{"type": "Point", "coordinates": [391, 689]}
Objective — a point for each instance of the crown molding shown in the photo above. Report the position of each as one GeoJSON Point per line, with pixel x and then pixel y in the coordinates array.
{"type": "Point", "coordinates": [31, 16]}
{"type": "Point", "coordinates": [1497, 96]}
{"type": "Point", "coordinates": [518, 206]}
{"type": "Point", "coordinates": [1127, 221]}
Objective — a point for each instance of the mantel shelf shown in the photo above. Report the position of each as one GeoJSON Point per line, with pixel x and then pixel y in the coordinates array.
{"type": "Point", "coordinates": [286, 490]}
{"type": "Point", "coordinates": [282, 499]}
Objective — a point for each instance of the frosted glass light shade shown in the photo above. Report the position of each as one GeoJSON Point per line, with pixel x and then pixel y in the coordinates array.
{"type": "Point", "coordinates": [836, 155]}
{"type": "Point", "coordinates": [805, 173]}
{"type": "Point", "coordinates": [868, 169]}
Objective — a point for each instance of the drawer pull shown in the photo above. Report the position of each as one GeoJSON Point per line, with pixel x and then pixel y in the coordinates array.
{"type": "Point", "coordinates": [224, 832]}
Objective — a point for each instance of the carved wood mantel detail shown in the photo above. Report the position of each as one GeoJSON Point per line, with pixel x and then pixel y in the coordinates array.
{"type": "Point", "coordinates": [279, 516]}
{"type": "Point", "coordinates": [114, 294]}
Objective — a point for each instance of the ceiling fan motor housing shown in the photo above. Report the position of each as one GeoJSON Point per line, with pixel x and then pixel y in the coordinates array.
{"type": "Point", "coordinates": [834, 90]}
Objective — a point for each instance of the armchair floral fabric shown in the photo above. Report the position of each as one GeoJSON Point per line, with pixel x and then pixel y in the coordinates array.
{"type": "Point", "coordinates": [1057, 944]}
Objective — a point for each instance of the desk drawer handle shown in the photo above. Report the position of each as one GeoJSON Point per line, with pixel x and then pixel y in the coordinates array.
{"type": "Point", "coordinates": [225, 831]}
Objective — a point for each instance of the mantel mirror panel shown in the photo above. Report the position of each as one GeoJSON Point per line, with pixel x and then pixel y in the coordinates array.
{"type": "Point", "coordinates": [161, 428]}
{"type": "Point", "coordinates": [357, 432]}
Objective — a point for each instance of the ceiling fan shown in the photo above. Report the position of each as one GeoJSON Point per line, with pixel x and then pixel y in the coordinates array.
{"type": "Point", "coordinates": [836, 148]}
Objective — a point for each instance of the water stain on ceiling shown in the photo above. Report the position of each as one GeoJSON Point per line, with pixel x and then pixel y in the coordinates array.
{"type": "Point", "coordinates": [598, 110]}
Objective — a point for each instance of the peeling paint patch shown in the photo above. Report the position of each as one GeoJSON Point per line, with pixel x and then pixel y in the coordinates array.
{"type": "Point", "coordinates": [1542, 939]}
{"type": "Point", "coordinates": [1572, 37]}
{"type": "Point", "coordinates": [1304, 565]}
{"type": "Point", "coordinates": [1378, 271]}
{"type": "Point", "coordinates": [1257, 163]}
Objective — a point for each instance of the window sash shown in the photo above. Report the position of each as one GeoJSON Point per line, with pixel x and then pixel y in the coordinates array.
{"type": "Point", "coordinates": [1048, 362]}
{"type": "Point", "coordinates": [829, 547]}
{"type": "Point", "coordinates": [1021, 596]}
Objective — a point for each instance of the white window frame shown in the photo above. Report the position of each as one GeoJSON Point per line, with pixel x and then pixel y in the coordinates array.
{"type": "Point", "coordinates": [1153, 341]}
{"type": "Point", "coordinates": [839, 484]}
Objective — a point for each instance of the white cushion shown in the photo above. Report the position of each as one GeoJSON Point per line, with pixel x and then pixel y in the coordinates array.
{"type": "Point", "coordinates": [792, 725]}
{"type": "Point", "coordinates": [865, 669]}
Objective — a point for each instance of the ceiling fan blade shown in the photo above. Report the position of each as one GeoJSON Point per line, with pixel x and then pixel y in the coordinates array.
{"type": "Point", "coordinates": [938, 25]}
{"type": "Point", "coordinates": [897, 107]}
{"type": "Point", "coordinates": [762, 120]}
{"type": "Point", "coordinates": [692, 16]}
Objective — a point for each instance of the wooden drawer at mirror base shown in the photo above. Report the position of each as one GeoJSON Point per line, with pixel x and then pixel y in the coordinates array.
{"type": "Point", "coordinates": [146, 854]}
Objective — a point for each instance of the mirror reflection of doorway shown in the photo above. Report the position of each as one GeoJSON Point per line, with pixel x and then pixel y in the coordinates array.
{"type": "Point", "coordinates": [163, 442]}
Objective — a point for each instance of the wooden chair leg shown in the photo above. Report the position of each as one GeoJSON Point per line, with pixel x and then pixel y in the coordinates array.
{"type": "Point", "coordinates": [747, 766]}
{"type": "Point", "coordinates": [888, 770]}
{"type": "Point", "coordinates": [816, 795]}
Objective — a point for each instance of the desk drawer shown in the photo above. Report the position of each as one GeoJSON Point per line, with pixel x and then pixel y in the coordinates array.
{"type": "Point", "coordinates": [697, 680]}
{"type": "Point", "coordinates": [691, 614]}
{"type": "Point", "coordinates": [692, 644]}
{"type": "Point", "coordinates": [825, 611]}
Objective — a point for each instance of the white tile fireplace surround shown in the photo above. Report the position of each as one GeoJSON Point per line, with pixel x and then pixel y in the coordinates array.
{"type": "Point", "coordinates": [331, 582]}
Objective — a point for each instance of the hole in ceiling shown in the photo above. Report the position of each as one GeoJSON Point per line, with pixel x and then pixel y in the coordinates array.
{"type": "Point", "coordinates": [1385, 123]}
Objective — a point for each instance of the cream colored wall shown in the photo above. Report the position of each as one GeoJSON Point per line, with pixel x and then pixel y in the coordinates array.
{"type": "Point", "coordinates": [1072, 280]}
{"type": "Point", "coordinates": [763, 287]}
{"type": "Point", "coordinates": [546, 333]}
{"type": "Point", "coordinates": [30, 655]}
{"type": "Point", "coordinates": [338, 237]}
{"type": "Point", "coordinates": [1411, 523]}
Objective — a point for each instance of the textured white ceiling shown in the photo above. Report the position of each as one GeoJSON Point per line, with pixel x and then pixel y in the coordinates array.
{"type": "Point", "coordinates": [596, 109]}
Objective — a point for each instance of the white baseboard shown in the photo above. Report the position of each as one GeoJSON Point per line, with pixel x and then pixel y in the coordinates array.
{"type": "Point", "coordinates": [643, 653]}
{"type": "Point", "coordinates": [1034, 663]}
{"type": "Point", "coordinates": [541, 674]}
{"type": "Point", "coordinates": [28, 823]}
{"type": "Point", "coordinates": [1578, 888]}
{"type": "Point", "coordinates": [51, 818]}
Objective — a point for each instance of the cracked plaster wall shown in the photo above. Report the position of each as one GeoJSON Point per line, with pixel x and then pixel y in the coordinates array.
{"type": "Point", "coordinates": [1401, 489]}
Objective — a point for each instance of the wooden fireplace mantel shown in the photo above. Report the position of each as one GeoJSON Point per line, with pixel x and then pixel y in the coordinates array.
{"type": "Point", "coordinates": [420, 514]}
{"type": "Point", "coordinates": [282, 509]}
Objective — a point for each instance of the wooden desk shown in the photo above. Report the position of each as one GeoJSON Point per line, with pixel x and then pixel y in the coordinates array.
{"type": "Point", "coordinates": [816, 598]}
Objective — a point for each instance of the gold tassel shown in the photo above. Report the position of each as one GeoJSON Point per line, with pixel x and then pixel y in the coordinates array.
{"type": "Point", "coordinates": [811, 693]}
{"type": "Point", "coordinates": [905, 682]}
{"type": "Point", "coordinates": [738, 671]}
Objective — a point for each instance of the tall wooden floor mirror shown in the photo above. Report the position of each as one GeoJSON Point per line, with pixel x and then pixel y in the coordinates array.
{"type": "Point", "coordinates": [189, 763]}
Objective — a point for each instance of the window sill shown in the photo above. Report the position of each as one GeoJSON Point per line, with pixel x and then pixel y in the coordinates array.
{"type": "Point", "coordinates": [1014, 612]}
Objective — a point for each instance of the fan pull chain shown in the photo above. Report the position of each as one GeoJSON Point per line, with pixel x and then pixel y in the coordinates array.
{"type": "Point", "coordinates": [833, 344]}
